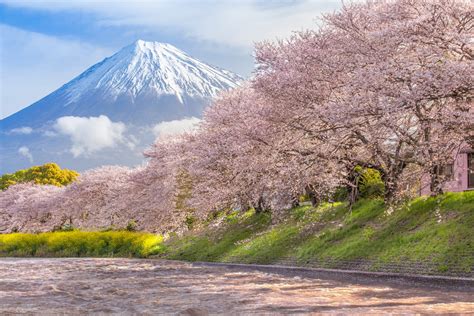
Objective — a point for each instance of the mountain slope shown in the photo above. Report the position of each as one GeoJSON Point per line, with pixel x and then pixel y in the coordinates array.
{"type": "Point", "coordinates": [158, 80]}
{"type": "Point", "coordinates": [141, 85]}
{"type": "Point", "coordinates": [151, 67]}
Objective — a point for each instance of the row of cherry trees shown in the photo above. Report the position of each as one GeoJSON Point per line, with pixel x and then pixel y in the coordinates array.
{"type": "Point", "coordinates": [389, 84]}
{"type": "Point", "coordinates": [107, 197]}
{"type": "Point", "coordinates": [386, 85]}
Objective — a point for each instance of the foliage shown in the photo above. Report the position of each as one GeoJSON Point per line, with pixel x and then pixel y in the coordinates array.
{"type": "Point", "coordinates": [131, 226]}
{"type": "Point", "coordinates": [190, 221]}
{"type": "Point", "coordinates": [340, 194]}
{"type": "Point", "coordinates": [80, 244]}
{"type": "Point", "coordinates": [50, 174]}
{"type": "Point", "coordinates": [370, 183]}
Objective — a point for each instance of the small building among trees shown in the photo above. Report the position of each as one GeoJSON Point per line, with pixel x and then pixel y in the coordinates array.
{"type": "Point", "coordinates": [459, 174]}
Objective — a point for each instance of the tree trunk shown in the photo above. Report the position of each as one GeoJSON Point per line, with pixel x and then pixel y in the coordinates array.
{"type": "Point", "coordinates": [313, 197]}
{"type": "Point", "coordinates": [390, 179]}
{"type": "Point", "coordinates": [260, 207]}
{"type": "Point", "coordinates": [353, 194]}
{"type": "Point", "coordinates": [436, 183]}
{"type": "Point", "coordinates": [391, 188]}
{"type": "Point", "coordinates": [390, 192]}
{"type": "Point", "coordinates": [244, 206]}
{"type": "Point", "coordinates": [353, 187]}
{"type": "Point", "coordinates": [315, 201]}
{"type": "Point", "coordinates": [295, 202]}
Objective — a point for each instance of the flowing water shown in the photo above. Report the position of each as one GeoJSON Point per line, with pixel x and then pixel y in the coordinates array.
{"type": "Point", "coordinates": [151, 287]}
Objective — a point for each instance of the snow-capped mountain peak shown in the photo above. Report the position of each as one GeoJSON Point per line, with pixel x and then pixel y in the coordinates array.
{"type": "Point", "coordinates": [152, 67]}
{"type": "Point", "coordinates": [130, 92]}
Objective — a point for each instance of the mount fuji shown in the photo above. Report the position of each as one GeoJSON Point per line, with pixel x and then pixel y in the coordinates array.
{"type": "Point", "coordinates": [114, 109]}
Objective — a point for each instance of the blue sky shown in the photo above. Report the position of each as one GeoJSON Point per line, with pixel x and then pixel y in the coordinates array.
{"type": "Point", "coordinates": [44, 44]}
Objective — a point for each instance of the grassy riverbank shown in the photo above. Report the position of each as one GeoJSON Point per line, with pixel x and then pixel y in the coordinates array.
{"type": "Point", "coordinates": [440, 239]}
{"type": "Point", "coordinates": [426, 235]}
{"type": "Point", "coordinates": [80, 244]}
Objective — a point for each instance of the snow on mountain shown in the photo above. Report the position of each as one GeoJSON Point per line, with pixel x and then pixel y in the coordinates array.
{"type": "Point", "coordinates": [142, 85]}
{"type": "Point", "coordinates": [152, 67]}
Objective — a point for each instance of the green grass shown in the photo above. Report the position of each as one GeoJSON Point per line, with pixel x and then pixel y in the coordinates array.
{"type": "Point", "coordinates": [418, 231]}
{"type": "Point", "coordinates": [215, 245]}
{"type": "Point", "coordinates": [80, 244]}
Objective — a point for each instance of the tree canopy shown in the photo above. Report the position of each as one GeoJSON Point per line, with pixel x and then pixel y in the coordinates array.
{"type": "Point", "coordinates": [49, 173]}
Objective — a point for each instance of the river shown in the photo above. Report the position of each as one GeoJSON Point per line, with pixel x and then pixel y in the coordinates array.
{"type": "Point", "coordinates": [151, 287]}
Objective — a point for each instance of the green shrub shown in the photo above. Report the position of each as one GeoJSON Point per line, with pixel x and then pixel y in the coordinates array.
{"type": "Point", "coordinates": [368, 233]}
{"type": "Point", "coordinates": [233, 217]}
{"type": "Point", "coordinates": [131, 226]}
{"type": "Point", "coordinates": [190, 221]}
{"type": "Point", "coordinates": [81, 244]}
{"type": "Point", "coordinates": [49, 173]}
{"type": "Point", "coordinates": [370, 183]}
{"type": "Point", "coordinates": [340, 195]}
{"type": "Point", "coordinates": [304, 198]}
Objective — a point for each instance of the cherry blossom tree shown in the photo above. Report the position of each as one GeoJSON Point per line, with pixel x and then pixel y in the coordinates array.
{"type": "Point", "coordinates": [238, 158]}
{"type": "Point", "coordinates": [29, 207]}
{"type": "Point", "coordinates": [102, 198]}
{"type": "Point", "coordinates": [414, 72]}
{"type": "Point", "coordinates": [390, 81]}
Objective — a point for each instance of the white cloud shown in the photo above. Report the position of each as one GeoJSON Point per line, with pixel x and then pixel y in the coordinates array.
{"type": "Point", "coordinates": [91, 134]}
{"type": "Point", "coordinates": [50, 134]}
{"type": "Point", "coordinates": [238, 24]}
{"type": "Point", "coordinates": [25, 151]}
{"type": "Point", "coordinates": [176, 127]}
{"type": "Point", "coordinates": [25, 130]}
{"type": "Point", "coordinates": [34, 64]}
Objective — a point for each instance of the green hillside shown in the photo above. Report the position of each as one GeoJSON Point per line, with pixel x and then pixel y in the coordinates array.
{"type": "Point", "coordinates": [436, 235]}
